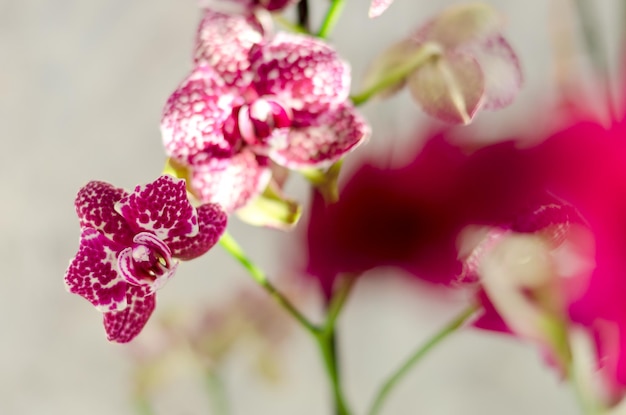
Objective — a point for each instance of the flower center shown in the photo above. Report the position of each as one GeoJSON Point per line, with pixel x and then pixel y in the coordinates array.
{"type": "Point", "coordinates": [254, 122]}
{"type": "Point", "coordinates": [150, 261]}
{"type": "Point", "coordinates": [147, 262]}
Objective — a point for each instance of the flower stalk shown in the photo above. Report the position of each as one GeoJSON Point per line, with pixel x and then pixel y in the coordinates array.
{"type": "Point", "coordinates": [417, 356]}
{"type": "Point", "coordinates": [324, 335]}
{"type": "Point", "coordinates": [331, 18]}
{"type": "Point", "coordinates": [234, 249]}
{"type": "Point", "coordinates": [426, 52]}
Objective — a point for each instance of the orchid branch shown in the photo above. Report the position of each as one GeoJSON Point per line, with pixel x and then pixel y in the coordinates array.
{"type": "Point", "coordinates": [292, 27]}
{"type": "Point", "coordinates": [232, 247]}
{"type": "Point", "coordinates": [215, 388]}
{"type": "Point", "coordinates": [422, 351]}
{"type": "Point", "coordinates": [142, 405]}
{"type": "Point", "coordinates": [427, 52]}
{"type": "Point", "coordinates": [303, 15]}
{"type": "Point", "coordinates": [331, 18]}
{"type": "Point", "coordinates": [337, 303]}
{"type": "Point", "coordinates": [324, 337]}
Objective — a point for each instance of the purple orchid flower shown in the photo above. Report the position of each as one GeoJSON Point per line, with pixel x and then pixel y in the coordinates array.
{"type": "Point", "coordinates": [130, 245]}
{"type": "Point", "coordinates": [249, 101]}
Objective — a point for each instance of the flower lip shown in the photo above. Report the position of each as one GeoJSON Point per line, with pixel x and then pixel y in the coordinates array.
{"type": "Point", "coordinates": [148, 262]}
{"type": "Point", "coordinates": [256, 121]}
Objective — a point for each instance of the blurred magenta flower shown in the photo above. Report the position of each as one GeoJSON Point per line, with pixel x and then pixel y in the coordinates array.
{"type": "Point", "coordinates": [249, 101]}
{"type": "Point", "coordinates": [539, 232]}
{"type": "Point", "coordinates": [130, 245]}
{"type": "Point", "coordinates": [410, 216]}
{"type": "Point", "coordinates": [454, 65]}
{"type": "Point", "coordinates": [378, 7]}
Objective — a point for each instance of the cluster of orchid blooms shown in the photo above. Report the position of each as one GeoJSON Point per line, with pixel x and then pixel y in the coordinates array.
{"type": "Point", "coordinates": [536, 233]}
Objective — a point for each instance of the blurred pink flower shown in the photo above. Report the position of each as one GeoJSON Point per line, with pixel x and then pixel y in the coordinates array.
{"type": "Point", "coordinates": [411, 217]}
{"type": "Point", "coordinates": [130, 244]}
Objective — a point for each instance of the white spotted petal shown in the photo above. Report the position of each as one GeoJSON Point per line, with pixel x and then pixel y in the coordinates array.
{"type": "Point", "coordinates": [232, 184]}
{"type": "Point", "coordinates": [194, 115]}
{"type": "Point", "coordinates": [324, 140]}
{"type": "Point", "coordinates": [223, 41]}
{"type": "Point", "coordinates": [160, 207]}
{"type": "Point", "coordinates": [301, 71]}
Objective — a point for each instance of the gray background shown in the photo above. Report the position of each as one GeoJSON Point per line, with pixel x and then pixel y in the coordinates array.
{"type": "Point", "coordinates": [82, 84]}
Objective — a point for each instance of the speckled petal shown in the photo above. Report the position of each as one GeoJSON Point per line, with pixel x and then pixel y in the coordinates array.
{"type": "Point", "coordinates": [461, 24]}
{"type": "Point", "coordinates": [234, 184]}
{"type": "Point", "coordinates": [193, 117]}
{"type": "Point", "coordinates": [212, 220]}
{"type": "Point", "coordinates": [303, 72]}
{"type": "Point", "coordinates": [160, 207]}
{"type": "Point", "coordinates": [123, 326]}
{"type": "Point", "coordinates": [501, 70]}
{"type": "Point", "coordinates": [93, 275]}
{"type": "Point", "coordinates": [378, 7]}
{"type": "Point", "coordinates": [324, 141]}
{"type": "Point", "coordinates": [223, 42]}
{"type": "Point", "coordinates": [95, 204]}
{"type": "Point", "coordinates": [450, 88]}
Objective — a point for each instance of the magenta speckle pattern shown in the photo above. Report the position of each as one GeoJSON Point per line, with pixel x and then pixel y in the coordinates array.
{"type": "Point", "coordinates": [123, 326]}
{"type": "Point", "coordinates": [223, 41]}
{"type": "Point", "coordinates": [325, 140]}
{"type": "Point", "coordinates": [130, 246]}
{"type": "Point", "coordinates": [160, 207]}
{"type": "Point", "coordinates": [92, 273]}
{"type": "Point", "coordinates": [213, 220]}
{"type": "Point", "coordinates": [501, 69]}
{"type": "Point", "coordinates": [302, 71]}
{"type": "Point", "coordinates": [193, 117]}
{"type": "Point", "coordinates": [95, 209]}
{"type": "Point", "coordinates": [232, 185]}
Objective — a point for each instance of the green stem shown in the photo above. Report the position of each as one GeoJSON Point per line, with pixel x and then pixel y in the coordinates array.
{"type": "Point", "coordinates": [217, 393]}
{"type": "Point", "coordinates": [595, 49]}
{"type": "Point", "coordinates": [142, 405]}
{"type": "Point", "coordinates": [326, 345]}
{"type": "Point", "coordinates": [396, 75]}
{"type": "Point", "coordinates": [422, 351]}
{"type": "Point", "coordinates": [232, 247]}
{"type": "Point", "coordinates": [337, 303]}
{"type": "Point", "coordinates": [292, 27]}
{"type": "Point", "coordinates": [325, 337]}
{"type": "Point", "coordinates": [331, 18]}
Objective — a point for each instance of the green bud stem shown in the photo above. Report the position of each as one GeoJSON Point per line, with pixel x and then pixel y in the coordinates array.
{"type": "Point", "coordinates": [424, 54]}
{"type": "Point", "coordinates": [331, 18]}
{"type": "Point", "coordinates": [324, 335]}
{"type": "Point", "coordinates": [417, 356]}
{"type": "Point", "coordinates": [232, 247]}
{"type": "Point", "coordinates": [286, 24]}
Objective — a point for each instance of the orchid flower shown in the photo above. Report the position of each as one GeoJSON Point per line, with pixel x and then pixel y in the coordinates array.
{"type": "Point", "coordinates": [456, 64]}
{"type": "Point", "coordinates": [130, 245]}
{"type": "Point", "coordinates": [545, 254]}
{"type": "Point", "coordinates": [249, 102]}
